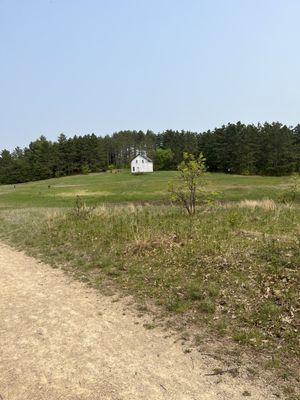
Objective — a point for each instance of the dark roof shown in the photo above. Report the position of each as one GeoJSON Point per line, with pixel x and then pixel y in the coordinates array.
{"type": "Point", "coordinates": [142, 155]}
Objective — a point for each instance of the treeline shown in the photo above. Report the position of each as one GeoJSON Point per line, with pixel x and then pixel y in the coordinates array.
{"type": "Point", "coordinates": [269, 149]}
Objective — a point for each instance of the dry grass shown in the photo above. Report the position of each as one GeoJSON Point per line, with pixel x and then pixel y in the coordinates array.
{"type": "Point", "coordinates": [149, 244]}
{"type": "Point", "coordinates": [266, 204]}
{"type": "Point", "coordinates": [83, 193]}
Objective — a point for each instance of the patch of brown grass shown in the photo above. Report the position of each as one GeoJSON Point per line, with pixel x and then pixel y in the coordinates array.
{"type": "Point", "coordinates": [83, 193]}
{"type": "Point", "coordinates": [266, 204]}
{"type": "Point", "coordinates": [150, 244]}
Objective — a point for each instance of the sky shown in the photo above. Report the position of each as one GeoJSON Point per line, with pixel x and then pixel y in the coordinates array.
{"type": "Point", "coordinates": [99, 66]}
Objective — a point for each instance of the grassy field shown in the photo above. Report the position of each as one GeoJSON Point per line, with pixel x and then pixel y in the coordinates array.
{"type": "Point", "coordinates": [124, 187]}
{"type": "Point", "coordinates": [233, 268]}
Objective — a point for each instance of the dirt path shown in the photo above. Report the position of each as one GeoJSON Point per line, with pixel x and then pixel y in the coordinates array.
{"type": "Point", "coordinates": [60, 339]}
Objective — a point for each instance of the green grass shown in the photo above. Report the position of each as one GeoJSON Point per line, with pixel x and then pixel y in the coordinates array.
{"type": "Point", "coordinates": [124, 187]}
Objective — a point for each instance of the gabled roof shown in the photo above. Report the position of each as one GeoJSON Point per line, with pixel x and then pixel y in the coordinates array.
{"type": "Point", "coordinates": [141, 155]}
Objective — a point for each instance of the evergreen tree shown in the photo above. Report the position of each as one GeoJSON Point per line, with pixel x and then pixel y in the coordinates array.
{"type": "Point", "coordinates": [41, 159]}
{"type": "Point", "coordinates": [277, 150]}
{"type": "Point", "coordinates": [269, 149]}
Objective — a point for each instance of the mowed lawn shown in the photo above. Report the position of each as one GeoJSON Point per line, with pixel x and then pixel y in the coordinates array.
{"type": "Point", "coordinates": [124, 187]}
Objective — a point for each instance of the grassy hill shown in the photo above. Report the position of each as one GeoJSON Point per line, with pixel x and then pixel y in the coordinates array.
{"type": "Point", "coordinates": [124, 187]}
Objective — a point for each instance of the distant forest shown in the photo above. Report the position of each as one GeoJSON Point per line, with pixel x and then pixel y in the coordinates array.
{"type": "Point", "coordinates": [268, 149]}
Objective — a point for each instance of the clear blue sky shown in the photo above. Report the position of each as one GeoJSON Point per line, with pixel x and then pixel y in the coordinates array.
{"type": "Point", "coordinates": [83, 66]}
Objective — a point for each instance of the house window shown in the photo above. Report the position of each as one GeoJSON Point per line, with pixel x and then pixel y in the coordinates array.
{"type": "Point", "coordinates": [143, 161]}
{"type": "Point", "coordinates": [136, 161]}
{"type": "Point", "coordinates": [133, 169]}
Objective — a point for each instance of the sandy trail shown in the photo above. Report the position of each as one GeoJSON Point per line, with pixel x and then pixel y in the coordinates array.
{"type": "Point", "coordinates": [60, 339]}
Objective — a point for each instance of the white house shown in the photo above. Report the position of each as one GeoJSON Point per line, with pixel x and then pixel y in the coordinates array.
{"type": "Point", "coordinates": [140, 164]}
